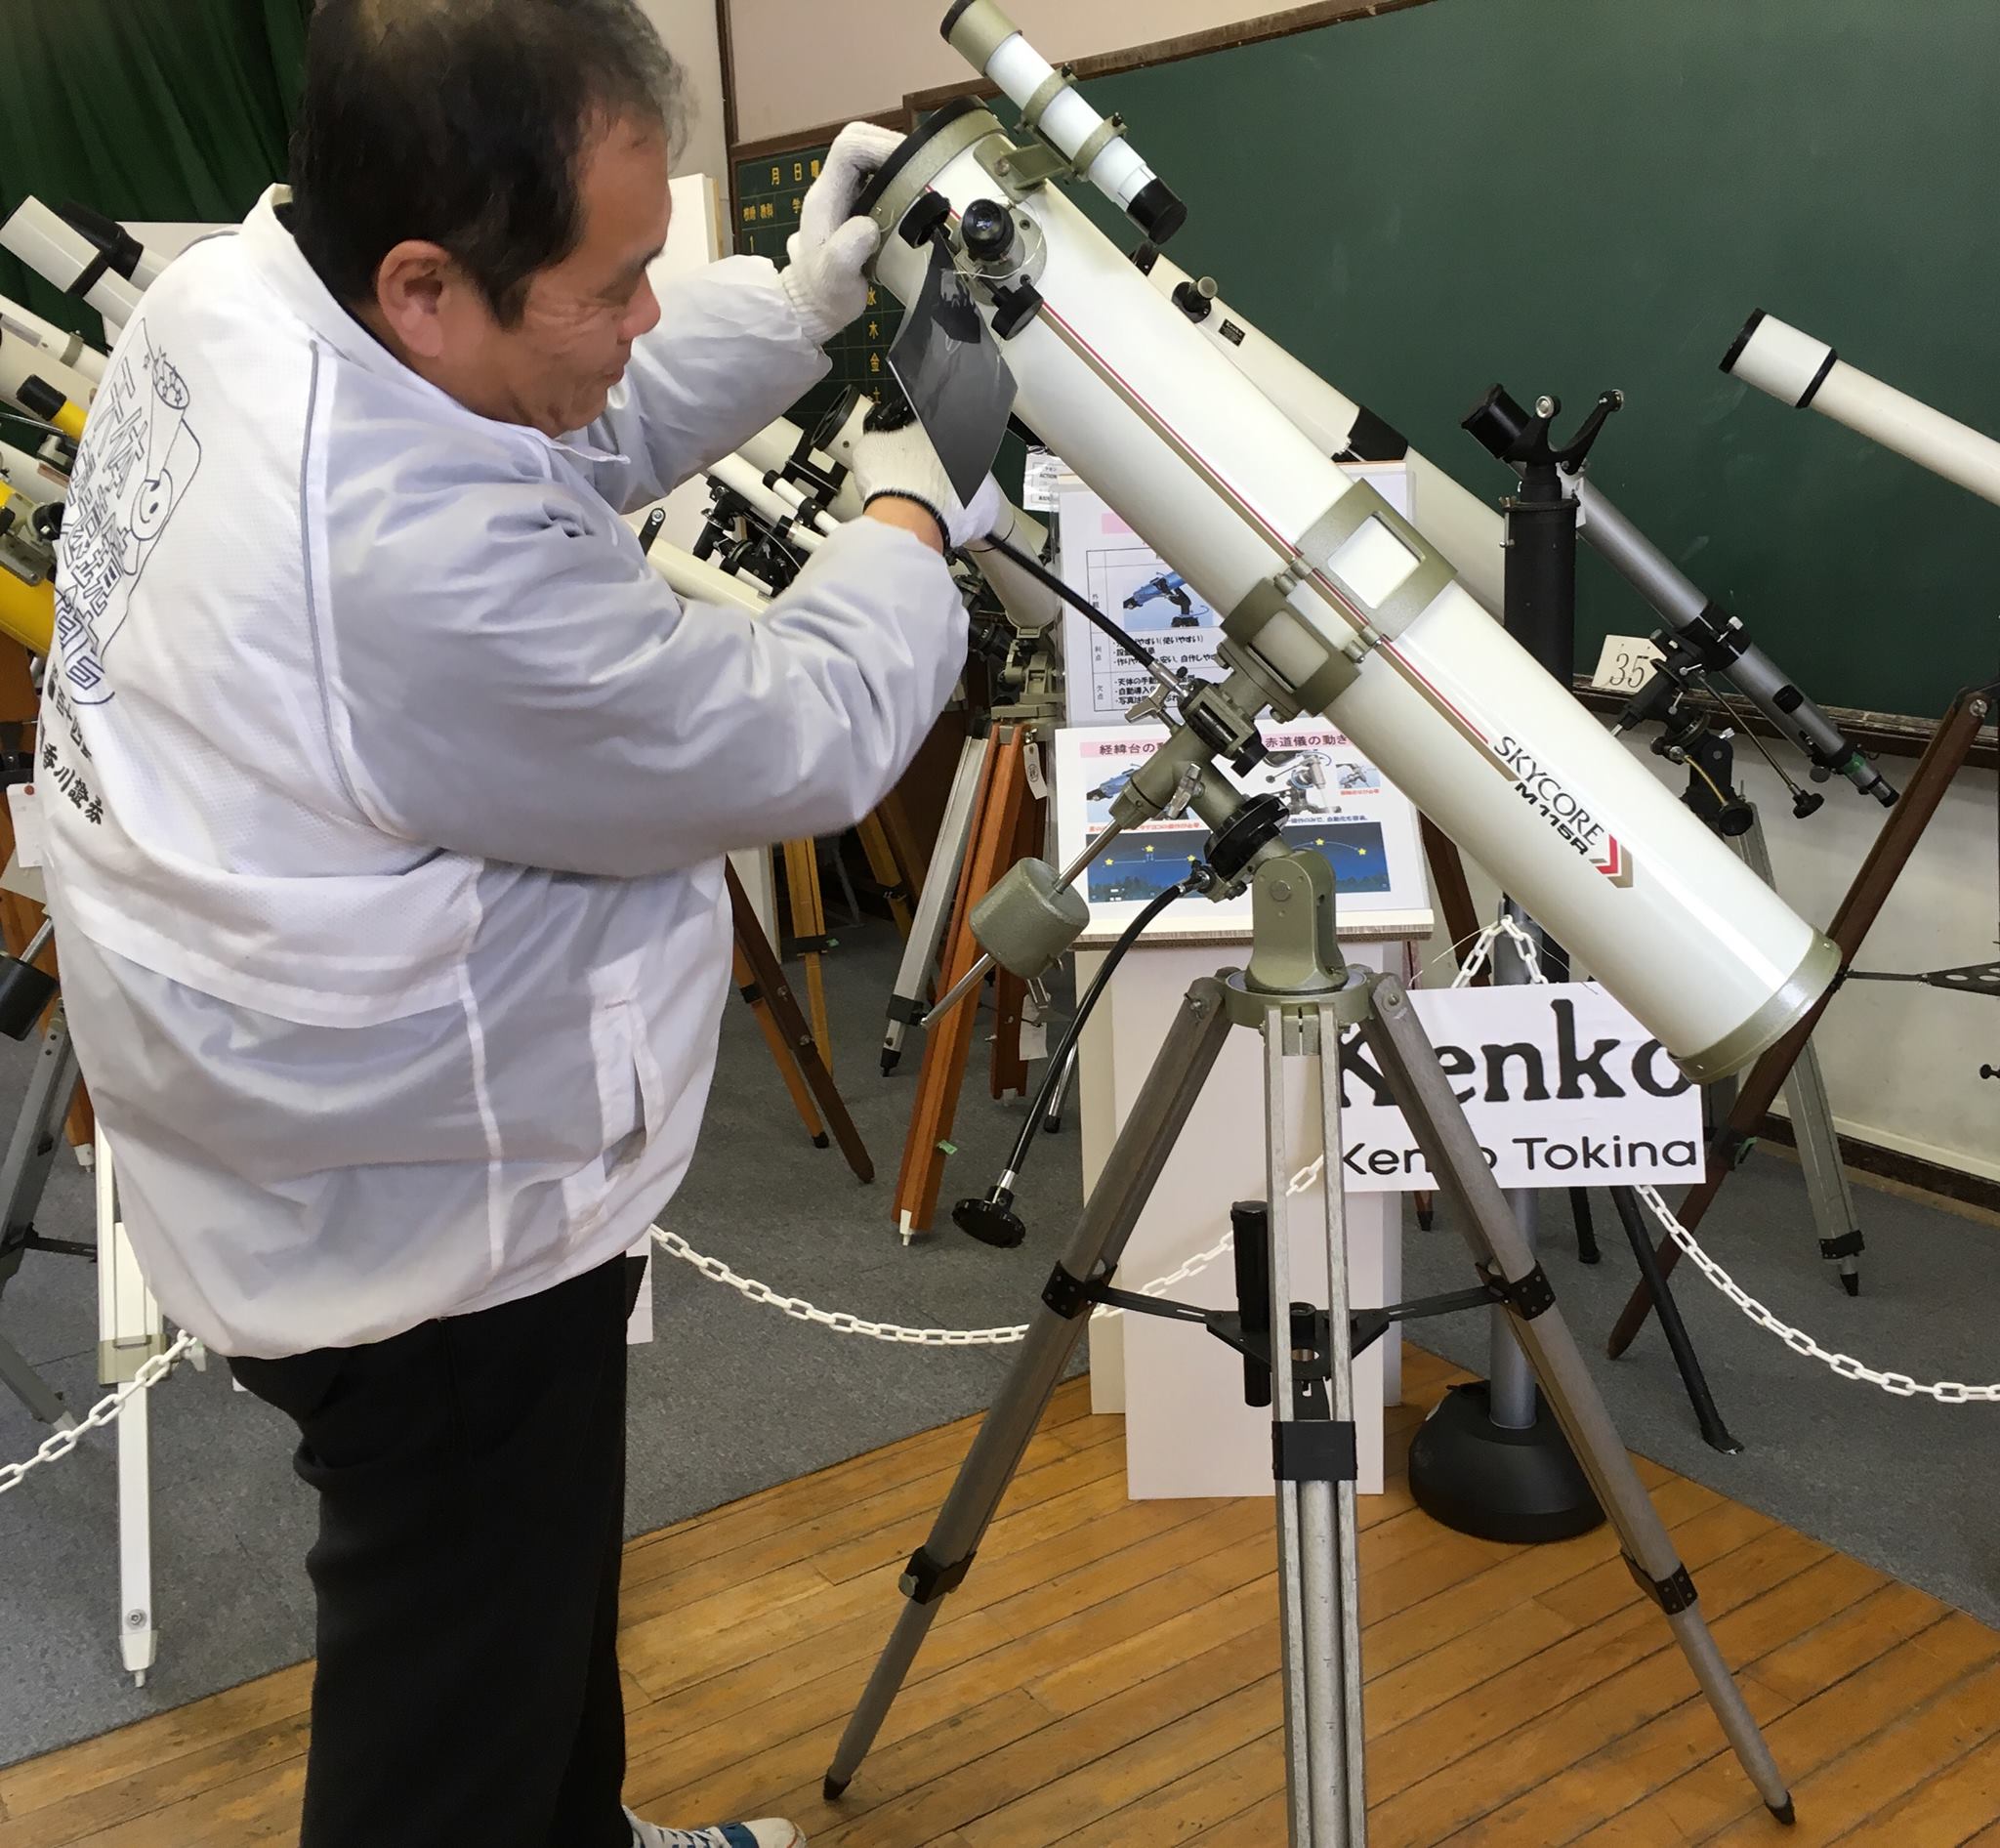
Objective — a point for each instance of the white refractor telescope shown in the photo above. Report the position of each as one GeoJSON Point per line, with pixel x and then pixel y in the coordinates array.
{"type": "Point", "coordinates": [1334, 604]}
{"type": "Point", "coordinates": [107, 272]}
{"type": "Point", "coordinates": [1797, 369]}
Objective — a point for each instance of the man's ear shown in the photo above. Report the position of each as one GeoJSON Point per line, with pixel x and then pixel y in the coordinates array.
{"type": "Point", "coordinates": [410, 286]}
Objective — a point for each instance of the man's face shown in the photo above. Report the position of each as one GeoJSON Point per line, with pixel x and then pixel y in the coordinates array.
{"type": "Point", "coordinates": [555, 367]}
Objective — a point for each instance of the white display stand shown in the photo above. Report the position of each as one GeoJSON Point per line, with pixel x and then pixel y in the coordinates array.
{"type": "Point", "coordinates": [1188, 1431]}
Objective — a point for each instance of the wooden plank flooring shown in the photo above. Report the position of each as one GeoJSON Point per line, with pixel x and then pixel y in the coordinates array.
{"type": "Point", "coordinates": [1106, 1679]}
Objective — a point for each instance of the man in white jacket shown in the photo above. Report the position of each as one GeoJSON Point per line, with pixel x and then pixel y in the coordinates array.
{"type": "Point", "coordinates": [389, 793]}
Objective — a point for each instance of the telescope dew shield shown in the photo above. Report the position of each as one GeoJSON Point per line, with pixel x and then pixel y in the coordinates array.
{"type": "Point", "coordinates": [121, 250]}
{"type": "Point", "coordinates": [1356, 615]}
{"type": "Point", "coordinates": [42, 399]}
{"type": "Point", "coordinates": [1052, 107]}
{"type": "Point", "coordinates": [59, 252]}
{"type": "Point", "coordinates": [1799, 370]}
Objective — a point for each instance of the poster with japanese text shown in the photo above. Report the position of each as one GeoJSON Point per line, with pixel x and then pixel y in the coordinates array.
{"type": "Point", "coordinates": [1341, 806]}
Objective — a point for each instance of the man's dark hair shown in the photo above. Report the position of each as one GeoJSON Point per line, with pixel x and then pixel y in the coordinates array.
{"type": "Point", "coordinates": [465, 123]}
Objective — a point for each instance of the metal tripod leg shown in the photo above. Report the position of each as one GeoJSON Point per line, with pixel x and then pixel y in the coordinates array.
{"type": "Point", "coordinates": [130, 1332]}
{"type": "Point", "coordinates": [30, 1151]}
{"type": "Point", "coordinates": [937, 1566]}
{"type": "Point", "coordinates": [1318, 1534]}
{"type": "Point", "coordinates": [1408, 1060]}
{"type": "Point", "coordinates": [1826, 1179]}
{"type": "Point", "coordinates": [934, 902]}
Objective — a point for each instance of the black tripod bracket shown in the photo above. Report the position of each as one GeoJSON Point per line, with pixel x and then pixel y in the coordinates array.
{"type": "Point", "coordinates": [1314, 1450]}
{"type": "Point", "coordinates": [1673, 1594]}
{"type": "Point", "coordinates": [925, 1579]}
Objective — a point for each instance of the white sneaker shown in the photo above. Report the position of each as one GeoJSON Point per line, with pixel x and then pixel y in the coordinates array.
{"type": "Point", "coordinates": [769, 1834]}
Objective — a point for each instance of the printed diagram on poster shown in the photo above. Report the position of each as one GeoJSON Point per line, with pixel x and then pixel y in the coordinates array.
{"type": "Point", "coordinates": [1342, 806]}
{"type": "Point", "coordinates": [1562, 1086]}
{"type": "Point", "coordinates": [1112, 567]}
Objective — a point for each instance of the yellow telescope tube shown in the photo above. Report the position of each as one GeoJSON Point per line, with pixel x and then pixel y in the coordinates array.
{"type": "Point", "coordinates": [27, 611]}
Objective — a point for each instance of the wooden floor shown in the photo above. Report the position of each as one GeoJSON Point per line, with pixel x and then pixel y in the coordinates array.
{"type": "Point", "coordinates": [1106, 1679]}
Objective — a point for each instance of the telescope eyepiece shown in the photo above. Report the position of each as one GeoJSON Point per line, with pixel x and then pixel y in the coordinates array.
{"type": "Point", "coordinates": [1497, 422]}
{"type": "Point", "coordinates": [987, 228]}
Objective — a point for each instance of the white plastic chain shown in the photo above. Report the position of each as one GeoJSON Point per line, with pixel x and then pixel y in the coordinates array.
{"type": "Point", "coordinates": [1946, 1392]}
{"type": "Point", "coordinates": [841, 1322]}
{"type": "Point", "coordinates": [103, 1413]}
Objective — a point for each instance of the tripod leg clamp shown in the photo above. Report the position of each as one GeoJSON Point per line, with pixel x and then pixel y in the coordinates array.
{"type": "Point", "coordinates": [1673, 1594]}
{"type": "Point", "coordinates": [925, 1580]}
{"type": "Point", "coordinates": [1313, 1450]}
{"type": "Point", "coordinates": [752, 991]}
{"type": "Point", "coordinates": [1850, 1244]}
{"type": "Point", "coordinates": [1533, 1296]}
{"type": "Point", "coordinates": [908, 1012]}
{"type": "Point", "coordinates": [1071, 1296]}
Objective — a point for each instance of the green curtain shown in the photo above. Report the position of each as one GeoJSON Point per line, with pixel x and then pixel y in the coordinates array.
{"type": "Point", "coordinates": [162, 109]}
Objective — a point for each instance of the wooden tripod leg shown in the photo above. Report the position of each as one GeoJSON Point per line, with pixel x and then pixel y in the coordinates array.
{"type": "Point", "coordinates": [996, 822]}
{"type": "Point", "coordinates": [809, 934]}
{"type": "Point", "coordinates": [912, 851]}
{"type": "Point", "coordinates": [1454, 895]}
{"type": "Point", "coordinates": [790, 1040]}
{"type": "Point", "coordinates": [1943, 757]}
{"type": "Point", "coordinates": [1010, 992]}
{"type": "Point", "coordinates": [888, 874]}
{"type": "Point", "coordinates": [773, 1037]}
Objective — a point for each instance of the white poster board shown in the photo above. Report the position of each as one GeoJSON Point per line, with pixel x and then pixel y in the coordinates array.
{"type": "Point", "coordinates": [1107, 563]}
{"type": "Point", "coordinates": [1563, 1087]}
{"type": "Point", "coordinates": [1345, 807]}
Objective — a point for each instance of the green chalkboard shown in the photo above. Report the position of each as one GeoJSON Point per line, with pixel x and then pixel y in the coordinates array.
{"type": "Point", "coordinates": [1567, 195]}
{"type": "Point", "coordinates": [770, 191]}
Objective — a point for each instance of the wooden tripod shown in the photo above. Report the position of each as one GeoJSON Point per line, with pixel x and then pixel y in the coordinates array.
{"type": "Point", "coordinates": [806, 902]}
{"type": "Point", "coordinates": [1006, 825]}
{"type": "Point", "coordinates": [761, 982]}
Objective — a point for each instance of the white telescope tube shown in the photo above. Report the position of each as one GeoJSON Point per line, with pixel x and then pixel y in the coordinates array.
{"type": "Point", "coordinates": [20, 362]}
{"type": "Point", "coordinates": [1049, 103]}
{"type": "Point", "coordinates": [1797, 369]}
{"type": "Point", "coordinates": [54, 248]}
{"type": "Point", "coordinates": [744, 479]}
{"type": "Point", "coordinates": [773, 449]}
{"type": "Point", "coordinates": [28, 475]}
{"type": "Point", "coordinates": [24, 325]}
{"type": "Point", "coordinates": [1030, 605]}
{"type": "Point", "coordinates": [1331, 596]}
{"type": "Point", "coordinates": [123, 251]}
{"type": "Point", "coordinates": [703, 582]}
{"type": "Point", "coordinates": [1468, 530]}
{"type": "Point", "coordinates": [1472, 535]}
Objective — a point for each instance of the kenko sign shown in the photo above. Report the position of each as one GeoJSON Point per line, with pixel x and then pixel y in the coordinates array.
{"type": "Point", "coordinates": [1563, 1087]}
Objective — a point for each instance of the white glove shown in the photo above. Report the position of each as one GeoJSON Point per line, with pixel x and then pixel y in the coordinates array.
{"type": "Point", "coordinates": [902, 462]}
{"type": "Point", "coordinates": [826, 254]}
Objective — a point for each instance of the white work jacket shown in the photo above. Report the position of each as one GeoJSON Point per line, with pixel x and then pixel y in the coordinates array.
{"type": "Point", "coordinates": [387, 791]}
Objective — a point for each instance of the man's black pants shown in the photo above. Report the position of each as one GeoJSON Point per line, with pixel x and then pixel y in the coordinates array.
{"type": "Point", "coordinates": [471, 1487]}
